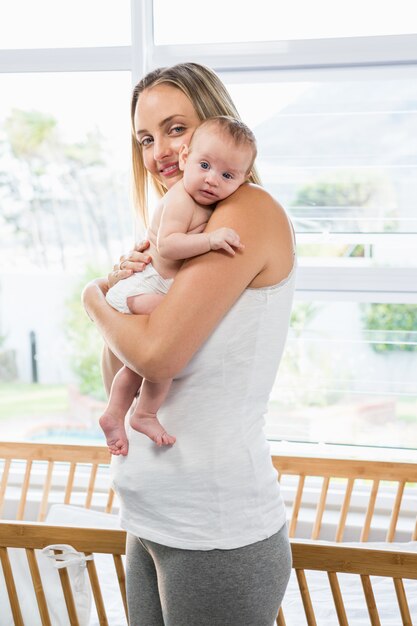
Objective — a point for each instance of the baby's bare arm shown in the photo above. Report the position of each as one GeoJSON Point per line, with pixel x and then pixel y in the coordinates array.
{"type": "Point", "coordinates": [175, 242]}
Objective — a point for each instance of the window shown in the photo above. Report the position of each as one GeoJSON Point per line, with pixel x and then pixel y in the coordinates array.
{"type": "Point", "coordinates": [182, 22]}
{"type": "Point", "coordinates": [333, 103]}
{"type": "Point", "coordinates": [334, 148]}
{"type": "Point", "coordinates": [65, 207]}
{"type": "Point", "coordinates": [50, 24]}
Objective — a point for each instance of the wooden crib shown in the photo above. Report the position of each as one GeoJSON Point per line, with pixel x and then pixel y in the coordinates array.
{"type": "Point", "coordinates": [316, 491]}
{"type": "Point", "coordinates": [41, 474]}
{"type": "Point", "coordinates": [386, 495]}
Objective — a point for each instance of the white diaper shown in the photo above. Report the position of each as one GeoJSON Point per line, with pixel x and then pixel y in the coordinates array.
{"type": "Point", "coordinates": [148, 281]}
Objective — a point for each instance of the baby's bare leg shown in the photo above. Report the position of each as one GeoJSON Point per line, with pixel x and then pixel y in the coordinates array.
{"type": "Point", "coordinates": [145, 303]}
{"type": "Point", "coordinates": [123, 391]}
{"type": "Point", "coordinates": [144, 417]}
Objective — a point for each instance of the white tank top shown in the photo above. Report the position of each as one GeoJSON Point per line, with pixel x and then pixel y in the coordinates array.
{"type": "Point", "coordinates": [216, 487]}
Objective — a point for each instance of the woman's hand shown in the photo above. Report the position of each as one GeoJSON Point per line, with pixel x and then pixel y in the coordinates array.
{"type": "Point", "coordinates": [133, 261]}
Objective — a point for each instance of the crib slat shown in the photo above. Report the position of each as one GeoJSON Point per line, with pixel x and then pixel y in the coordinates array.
{"type": "Point", "coordinates": [98, 598]}
{"type": "Point", "coordinates": [68, 596]}
{"type": "Point", "coordinates": [280, 618]}
{"type": "Point", "coordinates": [305, 596]}
{"type": "Point", "coordinates": [3, 485]}
{"type": "Point", "coordinates": [25, 487]}
{"type": "Point", "coordinates": [370, 600]}
{"type": "Point", "coordinates": [345, 509]}
{"type": "Point", "coordinates": [70, 483]}
{"type": "Point", "coordinates": [320, 508]}
{"type": "Point", "coordinates": [90, 489]}
{"type": "Point", "coordinates": [337, 598]}
{"type": "Point", "coordinates": [402, 602]}
{"type": "Point", "coordinates": [370, 511]}
{"type": "Point", "coordinates": [296, 507]}
{"type": "Point", "coordinates": [414, 535]}
{"type": "Point", "coordinates": [46, 489]}
{"type": "Point", "coordinates": [11, 587]}
{"type": "Point", "coordinates": [395, 511]}
{"type": "Point", "coordinates": [121, 577]}
{"type": "Point", "coordinates": [110, 500]}
{"type": "Point", "coordinates": [38, 587]}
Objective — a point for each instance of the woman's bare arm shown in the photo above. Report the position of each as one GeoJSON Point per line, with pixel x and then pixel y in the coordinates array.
{"type": "Point", "coordinates": [110, 365]}
{"type": "Point", "coordinates": [158, 346]}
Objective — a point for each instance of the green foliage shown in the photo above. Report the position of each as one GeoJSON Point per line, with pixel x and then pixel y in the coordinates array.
{"type": "Point", "coordinates": [301, 315]}
{"type": "Point", "coordinates": [88, 153]}
{"type": "Point", "coordinates": [335, 193]}
{"type": "Point", "coordinates": [391, 317]}
{"type": "Point", "coordinates": [85, 341]}
{"type": "Point", "coordinates": [28, 131]}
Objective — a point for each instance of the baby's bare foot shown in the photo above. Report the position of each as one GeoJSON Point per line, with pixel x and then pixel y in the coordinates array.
{"type": "Point", "coordinates": [116, 438]}
{"type": "Point", "coordinates": [149, 425]}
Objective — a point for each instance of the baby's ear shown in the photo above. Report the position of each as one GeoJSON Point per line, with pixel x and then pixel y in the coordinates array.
{"type": "Point", "coordinates": [182, 156]}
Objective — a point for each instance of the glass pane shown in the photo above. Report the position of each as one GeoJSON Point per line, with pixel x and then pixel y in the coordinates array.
{"type": "Point", "coordinates": [341, 155]}
{"type": "Point", "coordinates": [181, 22]}
{"type": "Point", "coordinates": [352, 387]}
{"type": "Point", "coordinates": [65, 217]}
{"type": "Point", "coordinates": [75, 24]}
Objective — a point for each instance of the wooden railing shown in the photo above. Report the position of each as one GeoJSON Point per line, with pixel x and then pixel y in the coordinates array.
{"type": "Point", "coordinates": [342, 475]}
{"type": "Point", "coordinates": [40, 461]}
{"type": "Point", "coordinates": [339, 559]}
{"type": "Point", "coordinates": [33, 537]}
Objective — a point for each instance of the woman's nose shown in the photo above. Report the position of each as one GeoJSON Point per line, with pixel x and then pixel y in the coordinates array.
{"type": "Point", "coordinates": [161, 148]}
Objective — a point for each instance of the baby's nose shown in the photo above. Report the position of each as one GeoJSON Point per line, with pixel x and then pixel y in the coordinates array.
{"type": "Point", "coordinates": [211, 177]}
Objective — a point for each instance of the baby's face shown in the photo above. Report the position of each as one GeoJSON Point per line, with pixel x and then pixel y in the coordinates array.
{"type": "Point", "coordinates": [215, 167]}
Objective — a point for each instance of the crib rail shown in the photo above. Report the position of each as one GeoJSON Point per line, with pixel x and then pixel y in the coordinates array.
{"type": "Point", "coordinates": [33, 537]}
{"type": "Point", "coordinates": [337, 559]}
{"type": "Point", "coordinates": [341, 476]}
{"type": "Point", "coordinates": [333, 559]}
{"type": "Point", "coordinates": [68, 472]}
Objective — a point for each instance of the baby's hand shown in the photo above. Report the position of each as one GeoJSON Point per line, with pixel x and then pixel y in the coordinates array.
{"type": "Point", "coordinates": [224, 239]}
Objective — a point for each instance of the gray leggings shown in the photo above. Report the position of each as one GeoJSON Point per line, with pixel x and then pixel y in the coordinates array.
{"type": "Point", "coordinates": [176, 587]}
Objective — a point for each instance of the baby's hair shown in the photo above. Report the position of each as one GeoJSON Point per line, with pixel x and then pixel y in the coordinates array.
{"type": "Point", "coordinates": [234, 128]}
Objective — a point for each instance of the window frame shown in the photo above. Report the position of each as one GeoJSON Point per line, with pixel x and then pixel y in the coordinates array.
{"type": "Point", "coordinates": [291, 60]}
{"type": "Point", "coordinates": [284, 60]}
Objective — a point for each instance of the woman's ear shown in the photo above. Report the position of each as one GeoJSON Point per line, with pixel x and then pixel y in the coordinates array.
{"type": "Point", "coordinates": [182, 156]}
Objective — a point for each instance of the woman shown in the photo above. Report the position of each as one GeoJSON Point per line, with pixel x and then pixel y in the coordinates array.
{"type": "Point", "coordinates": [207, 542]}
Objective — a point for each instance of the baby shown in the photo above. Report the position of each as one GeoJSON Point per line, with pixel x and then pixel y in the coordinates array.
{"type": "Point", "coordinates": [217, 161]}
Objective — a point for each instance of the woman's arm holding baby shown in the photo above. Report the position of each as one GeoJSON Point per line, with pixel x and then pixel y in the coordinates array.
{"type": "Point", "coordinates": [159, 345]}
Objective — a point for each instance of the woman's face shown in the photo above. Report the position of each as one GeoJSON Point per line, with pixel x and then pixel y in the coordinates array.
{"type": "Point", "coordinates": [165, 119]}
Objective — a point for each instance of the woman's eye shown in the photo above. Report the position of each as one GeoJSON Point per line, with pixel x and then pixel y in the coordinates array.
{"type": "Point", "coordinates": [204, 165]}
{"type": "Point", "coordinates": [145, 141]}
{"type": "Point", "coordinates": [177, 129]}
{"type": "Point", "coordinates": [227, 175]}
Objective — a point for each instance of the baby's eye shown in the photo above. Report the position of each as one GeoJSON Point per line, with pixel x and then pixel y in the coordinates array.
{"type": "Point", "coordinates": [204, 165]}
{"type": "Point", "coordinates": [227, 175]}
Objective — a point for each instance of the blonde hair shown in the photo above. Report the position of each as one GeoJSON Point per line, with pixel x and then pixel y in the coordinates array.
{"type": "Point", "coordinates": [239, 133]}
{"type": "Point", "coordinates": [209, 97]}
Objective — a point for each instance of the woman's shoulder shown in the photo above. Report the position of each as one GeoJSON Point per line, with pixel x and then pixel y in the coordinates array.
{"type": "Point", "coordinates": [264, 228]}
{"type": "Point", "coordinates": [255, 205]}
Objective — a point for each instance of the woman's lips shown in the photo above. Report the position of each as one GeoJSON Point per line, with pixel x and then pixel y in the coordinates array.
{"type": "Point", "coordinates": [169, 169]}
